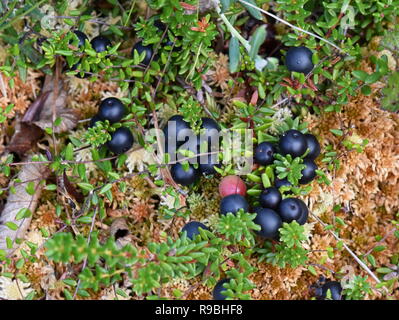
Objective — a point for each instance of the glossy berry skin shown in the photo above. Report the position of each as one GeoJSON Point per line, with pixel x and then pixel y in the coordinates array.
{"type": "Point", "coordinates": [207, 167]}
{"type": "Point", "coordinates": [142, 48]}
{"type": "Point", "coordinates": [209, 124]}
{"type": "Point", "coordinates": [264, 154]}
{"type": "Point", "coordinates": [335, 289]}
{"type": "Point", "coordinates": [232, 185]}
{"type": "Point", "coordinates": [269, 221]}
{"type": "Point", "coordinates": [313, 146]}
{"type": "Point", "coordinates": [111, 109]}
{"type": "Point", "coordinates": [210, 132]}
{"type": "Point", "coordinates": [299, 59]}
{"type": "Point", "coordinates": [183, 177]}
{"type": "Point", "coordinates": [289, 210]}
{"type": "Point", "coordinates": [304, 212]}
{"type": "Point", "coordinates": [278, 183]}
{"type": "Point", "coordinates": [93, 121]}
{"type": "Point", "coordinates": [233, 203]}
{"type": "Point", "coordinates": [100, 43]}
{"type": "Point", "coordinates": [217, 292]}
{"type": "Point", "coordinates": [270, 198]}
{"type": "Point", "coordinates": [192, 229]}
{"type": "Point", "coordinates": [82, 37]}
{"type": "Point", "coordinates": [174, 132]}
{"type": "Point", "coordinates": [293, 142]}
{"type": "Point", "coordinates": [121, 141]}
{"type": "Point", "coordinates": [309, 173]}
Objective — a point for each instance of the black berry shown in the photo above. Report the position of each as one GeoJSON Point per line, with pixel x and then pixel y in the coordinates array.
{"type": "Point", "coordinates": [309, 173]}
{"type": "Point", "coordinates": [335, 289]}
{"type": "Point", "coordinates": [142, 48]}
{"type": "Point", "coordinates": [209, 142]}
{"type": "Point", "coordinates": [81, 37]}
{"type": "Point", "coordinates": [304, 213]}
{"type": "Point", "coordinates": [233, 203]}
{"type": "Point", "coordinates": [219, 289]}
{"type": "Point", "coordinates": [176, 133]}
{"type": "Point", "coordinates": [278, 183]}
{"type": "Point", "coordinates": [289, 209]}
{"type": "Point", "coordinates": [208, 167]}
{"type": "Point", "coordinates": [111, 109]}
{"type": "Point", "coordinates": [293, 142]}
{"type": "Point", "coordinates": [209, 124]}
{"type": "Point", "coordinates": [270, 198]}
{"type": "Point", "coordinates": [100, 43]}
{"type": "Point", "coordinates": [192, 229]}
{"type": "Point", "coordinates": [313, 146]}
{"type": "Point", "coordinates": [269, 221]}
{"type": "Point", "coordinates": [121, 141]}
{"type": "Point", "coordinates": [299, 59]}
{"type": "Point", "coordinates": [264, 153]}
{"type": "Point", "coordinates": [183, 177]}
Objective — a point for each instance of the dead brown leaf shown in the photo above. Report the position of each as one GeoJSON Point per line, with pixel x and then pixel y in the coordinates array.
{"type": "Point", "coordinates": [68, 117]}
{"type": "Point", "coordinates": [24, 138]}
{"type": "Point", "coordinates": [39, 117]}
{"type": "Point", "coordinates": [19, 200]}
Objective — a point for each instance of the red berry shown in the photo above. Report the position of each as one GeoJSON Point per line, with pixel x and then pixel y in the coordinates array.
{"type": "Point", "coordinates": [232, 185]}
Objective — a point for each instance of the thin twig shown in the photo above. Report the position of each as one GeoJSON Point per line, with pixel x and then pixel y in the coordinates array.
{"type": "Point", "coordinates": [292, 26]}
{"type": "Point", "coordinates": [358, 260]}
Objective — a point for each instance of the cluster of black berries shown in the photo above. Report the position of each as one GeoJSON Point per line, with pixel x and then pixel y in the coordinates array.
{"type": "Point", "coordinates": [113, 110]}
{"type": "Point", "coordinates": [99, 44]}
{"type": "Point", "coordinates": [274, 209]}
{"type": "Point", "coordinates": [177, 132]}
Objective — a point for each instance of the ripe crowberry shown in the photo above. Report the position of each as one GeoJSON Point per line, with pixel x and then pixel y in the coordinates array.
{"type": "Point", "coordinates": [309, 173]}
{"type": "Point", "coordinates": [299, 59]}
{"type": "Point", "coordinates": [269, 221]}
{"type": "Point", "coordinates": [313, 146]}
{"type": "Point", "coordinates": [264, 153]}
{"type": "Point", "coordinates": [270, 198]}
{"type": "Point", "coordinates": [233, 203]}
{"type": "Point", "coordinates": [111, 109]}
{"type": "Point", "coordinates": [100, 43]}
{"type": "Point", "coordinates": [121, 141]}
{"type": "Point", "coordinates": [183, 177]}
{"type": "Point", "coordinates": [219, 289]}
{"type": "Point", "coordinates": [289, 209]}
{"type": "Point", "coordinates": [293, 142]}
{"type": "Point", "coordinates": [335, 289]}
{"type": "Point", "coordinates": [304, 213]}
{"type": "Point", "coordinates": [192, 229]}
{"type": "Point", "coordinates": [176, 132]}
{"type": "Point", "coordinates": [142, 48]}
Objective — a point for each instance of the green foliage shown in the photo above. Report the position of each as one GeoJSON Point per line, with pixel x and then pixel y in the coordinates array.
{"type": "Point", "coordinates": [356, 288]}
{"type": "Point", "coordinates": [239, 285]}
{"type": "Point", "coordinates": [147, 270]}
{"type": "Point", "coordinates": [237, 228]}
{"type": "Point", "coordinates": [289, 168]}
{"type": "Point", "coordinates": [289, 251]}
{"type": "Point", "coordinates": [390, 100]}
